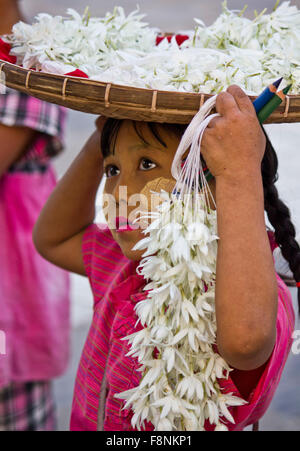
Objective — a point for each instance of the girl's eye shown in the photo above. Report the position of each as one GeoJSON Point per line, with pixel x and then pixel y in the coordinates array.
{"type": "Point", "coordinates": [111, 170]}
{"type": "Point", "coordinates": [147, 164]}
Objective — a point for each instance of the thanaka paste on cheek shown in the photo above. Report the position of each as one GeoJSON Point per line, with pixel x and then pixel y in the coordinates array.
{"type": "Point", "coordinates": [150, 198]}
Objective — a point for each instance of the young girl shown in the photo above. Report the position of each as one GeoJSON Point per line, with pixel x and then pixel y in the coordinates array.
{"type": "Point", "coordinates": [254, 311]}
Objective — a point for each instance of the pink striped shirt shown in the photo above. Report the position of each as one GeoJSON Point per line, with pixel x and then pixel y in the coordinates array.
{"type": "Point", "coordinates": [104, 368]}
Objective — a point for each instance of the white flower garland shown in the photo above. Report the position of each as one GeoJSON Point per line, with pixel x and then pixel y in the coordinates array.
{"type": "Point", "coordinates": [179, 388]}
{"type": "Point", "coordinates": [122, 49]}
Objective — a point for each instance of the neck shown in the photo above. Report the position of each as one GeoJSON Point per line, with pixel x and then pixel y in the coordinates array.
{"type": "Point", "coordinates": [9, 15]}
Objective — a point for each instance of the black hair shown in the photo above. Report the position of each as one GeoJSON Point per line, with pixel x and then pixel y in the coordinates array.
{"type": "Point", "coordinates": [278, 213]}
{"type": "Point", "coordinates": [112, 126]}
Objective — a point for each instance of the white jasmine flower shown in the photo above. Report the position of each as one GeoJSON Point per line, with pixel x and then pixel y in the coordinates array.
{"type": "Point", "coordinates": [212, 412]}
{"type": "Point", "coordinates": [180, 249]}
{"type": "Point", "coordinates": [190, 386]}
{"type": "Point", "coordinates": [143, 310]}
{"type": "Point", "coordinates": [164, 425]}
{"type": "Point", "coordinates": [224, 410]}
{"type": "Point", "coordinates": [156, 366]}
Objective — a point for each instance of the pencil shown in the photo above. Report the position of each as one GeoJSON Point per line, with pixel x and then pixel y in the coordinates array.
{"type": "Point", "coordinates": [271, 106]}
{"type": "Point", "coordinates": [266, 95]}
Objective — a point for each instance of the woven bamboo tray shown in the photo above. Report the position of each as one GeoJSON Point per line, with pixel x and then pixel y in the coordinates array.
{"type": "Point", "coordinates": [122, 102]}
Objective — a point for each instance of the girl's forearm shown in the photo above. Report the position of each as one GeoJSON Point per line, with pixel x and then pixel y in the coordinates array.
{"type": "Point", "coordinates": [71, 207]}
{"type": "Point", "coordinates": [246, 286]}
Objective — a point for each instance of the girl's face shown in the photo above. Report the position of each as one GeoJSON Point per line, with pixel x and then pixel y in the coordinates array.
{"type": "Point", "coordinates": [134, 164]}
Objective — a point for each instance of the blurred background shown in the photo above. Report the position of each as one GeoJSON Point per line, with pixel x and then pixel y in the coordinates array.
{"type": "Point", "coordinates": [171, 16]}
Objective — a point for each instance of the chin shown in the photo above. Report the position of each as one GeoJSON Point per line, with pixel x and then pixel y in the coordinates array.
{"type": "Point", "coordinates": [126, 248]}
{"type": "Point", "coordinates": [126, 241]}
{"type": "Point", "coordinates": [133, 255]}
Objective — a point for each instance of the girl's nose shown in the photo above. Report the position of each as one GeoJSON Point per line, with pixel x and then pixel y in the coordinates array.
{"type": "Point", "coordinates": [120, 192]}
{"type": "Point", "coordinates": [125, 188]}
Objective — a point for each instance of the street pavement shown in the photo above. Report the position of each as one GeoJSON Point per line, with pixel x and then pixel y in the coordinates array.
{"type": "Point", "coordinates": [175, 15]}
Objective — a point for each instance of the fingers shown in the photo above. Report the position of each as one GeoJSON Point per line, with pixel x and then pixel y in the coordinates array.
{"type": "Point", "coordinates": [226, 104]}
{"type": "Point", "coordinates": [242, 100]}
{"type": "Point", "coordinates": [234, 100]}
{"type": "Point", "coordinates": [214, 122]}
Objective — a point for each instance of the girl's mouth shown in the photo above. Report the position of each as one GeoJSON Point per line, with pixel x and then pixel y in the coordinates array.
{"type": "Point", "coordinates": [123, 225]}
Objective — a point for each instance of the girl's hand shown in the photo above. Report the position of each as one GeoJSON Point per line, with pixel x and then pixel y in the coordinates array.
{"type": "Point", "coordinates": [99, 122]}
{"type": "Point", "coordinates": [234, 143]}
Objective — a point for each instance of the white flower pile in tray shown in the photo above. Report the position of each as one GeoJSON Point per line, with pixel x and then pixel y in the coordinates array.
{"type": "Point", "coordinates": [122, 49]}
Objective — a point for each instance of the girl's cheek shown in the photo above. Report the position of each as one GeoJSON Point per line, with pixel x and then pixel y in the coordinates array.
{"type": "Point", "coordinates": [150, 200]}
{"type": "Point", "coordinates": [109, 209]}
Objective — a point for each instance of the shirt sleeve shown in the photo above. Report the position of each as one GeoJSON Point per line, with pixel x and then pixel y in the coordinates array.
{"type": "Point", "coordinates": [19, 109]}
{"type": "Point", "coordinates": [262, 395]}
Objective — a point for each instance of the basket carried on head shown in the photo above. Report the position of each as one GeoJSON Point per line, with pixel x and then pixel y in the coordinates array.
{"type": "Point", "coordinates": [93, 47]}
{"type": "Point", "coordinates": [122, 102]}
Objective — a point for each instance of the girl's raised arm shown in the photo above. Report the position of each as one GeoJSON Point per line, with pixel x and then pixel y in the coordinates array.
{"type": "Point", "coordinates": [71, 208]}
{"type": "Point", "coordinates": [246, 286]}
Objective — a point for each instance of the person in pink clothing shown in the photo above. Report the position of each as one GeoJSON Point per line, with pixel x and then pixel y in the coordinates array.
{"type": "Point", "coordinates": [34, 294]}
{"type": "Point", "coordinates": [254, 310]}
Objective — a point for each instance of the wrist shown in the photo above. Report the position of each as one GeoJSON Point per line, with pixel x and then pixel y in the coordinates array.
{"type": "Point", "coordinates": [93, 146]}
{"type": "Point", "coordinates": [91, 157]}
{"type": "Point", "coordinates": [251, 175]}
{"type": "Point", "coordinates": [240, 189]}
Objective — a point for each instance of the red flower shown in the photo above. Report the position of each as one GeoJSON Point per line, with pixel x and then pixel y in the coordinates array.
{"type": "Point", "coordinates": [78, 73]}
{"type": "Point", "coordinates": [180, 38]}
{"type": "Point", "coordinates": [4, 52]}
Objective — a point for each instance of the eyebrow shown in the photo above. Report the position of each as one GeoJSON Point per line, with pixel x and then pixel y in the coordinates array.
{"type": "Point", "coordinates": [137, 147]}
{"type": "Point", "coordinates": [144, 146]}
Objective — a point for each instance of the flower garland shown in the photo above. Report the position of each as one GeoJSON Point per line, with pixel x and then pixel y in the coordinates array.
{"type": "Point", "coordinates": [179, 388]}
{"type": "Point", "coordinates": [125, 50]}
